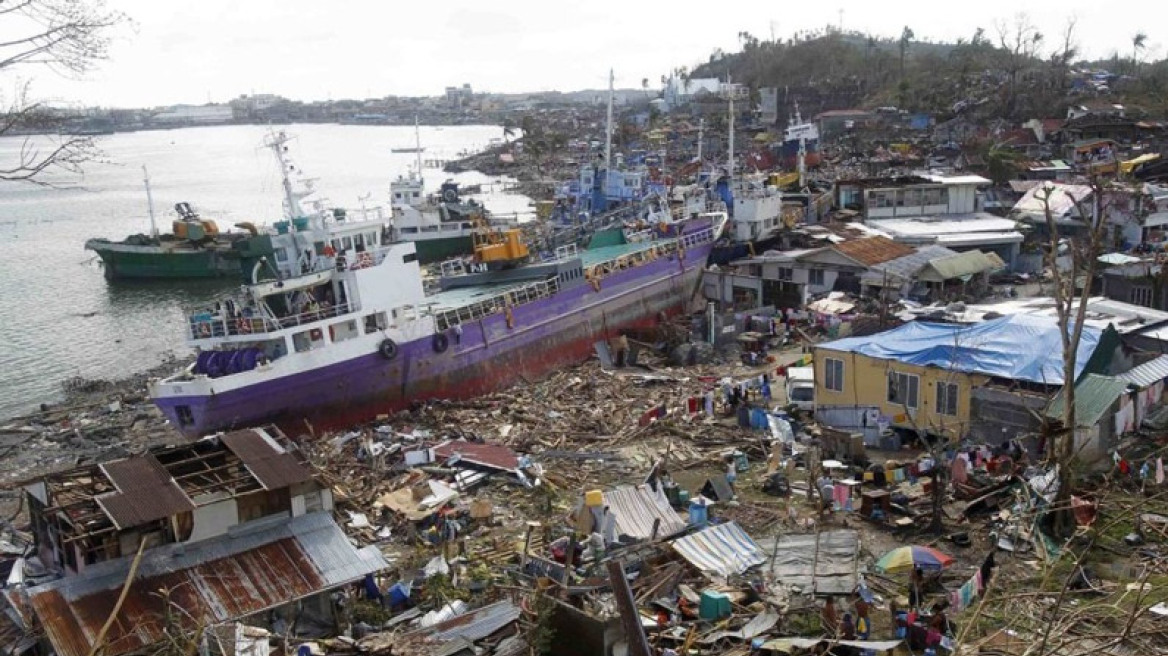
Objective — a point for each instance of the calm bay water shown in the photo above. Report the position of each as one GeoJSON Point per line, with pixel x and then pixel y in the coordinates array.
{"type": "Point", "coordinates": [60, 318]}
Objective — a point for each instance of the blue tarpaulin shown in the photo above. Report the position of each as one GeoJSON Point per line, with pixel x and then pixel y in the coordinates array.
{"type": "Point", "coordinates": [1017, 347]}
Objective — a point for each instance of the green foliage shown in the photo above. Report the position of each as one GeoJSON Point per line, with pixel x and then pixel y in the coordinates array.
{"type": "Point", "coordinates": [370, 612]}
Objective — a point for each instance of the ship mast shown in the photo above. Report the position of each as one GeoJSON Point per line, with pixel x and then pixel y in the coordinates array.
{"type": "Point", "coordinates": [276, 141]}
{"type": "Point", "coordinates": [150, 202]}
{"type": "Point", "coordinates": [418, 146]}
{"type": "Point", "coordinates": [802, 161]}
{"type": "Point", "coordinates": [730, 159]}
{"type": "Point", "coordinates": [608, 128]}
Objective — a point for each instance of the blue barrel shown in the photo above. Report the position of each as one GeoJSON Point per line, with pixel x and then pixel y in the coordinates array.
{"type": "Point", "coordinates": [699, 513]}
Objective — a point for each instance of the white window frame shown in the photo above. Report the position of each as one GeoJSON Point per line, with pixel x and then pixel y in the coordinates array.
{"type": "Point", "coordinates": [812, 274]}
{"type": "Point", "coordinates": [829, 378]}
{"type": "Point", "coordinates": [947, 397]}
{"type": "Point", "coordinates": [901, 380]}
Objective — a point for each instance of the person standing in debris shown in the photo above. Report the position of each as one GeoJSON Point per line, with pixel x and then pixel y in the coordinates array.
{"type": "Point", "coordinates": [620, 346]}
{"type": "Point", "coordinates": [827, 494]}
{"type": "Point", "coordinates": [916, 581]}
{"type": "Point", "coordinates": [828, 618]}
{"type": "Point", "coordinates": [847, 628]}
{"type": "Point", "coordinates": [732, 475]}
{"type": "Point", "coordinates": [608, 526]}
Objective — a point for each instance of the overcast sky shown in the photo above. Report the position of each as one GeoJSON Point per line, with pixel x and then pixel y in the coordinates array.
{"type": "Point", "coordinates": [214, 50]}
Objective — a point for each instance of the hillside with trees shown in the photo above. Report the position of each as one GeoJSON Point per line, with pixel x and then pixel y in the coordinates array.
{"type": "Point", "coordinates": [1011, 70]}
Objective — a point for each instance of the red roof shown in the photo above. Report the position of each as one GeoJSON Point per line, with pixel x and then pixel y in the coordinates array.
{"type": "Point", "coordinates": [489, 455]}
{"type": "Point", "coordinates": [873, 250]}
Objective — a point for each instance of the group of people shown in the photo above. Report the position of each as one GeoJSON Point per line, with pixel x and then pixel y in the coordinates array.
{"type": "Point", "coordinates": [852, 625]}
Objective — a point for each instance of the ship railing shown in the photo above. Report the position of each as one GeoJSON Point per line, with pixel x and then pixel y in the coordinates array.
{"type": "Point", "coordinates": [205, 325]}
{"type": "Point", "coordinates": [495, 304]}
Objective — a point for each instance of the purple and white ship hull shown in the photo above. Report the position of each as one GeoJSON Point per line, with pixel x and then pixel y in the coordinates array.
{"type": "Point", "coordinates": [352, 381]}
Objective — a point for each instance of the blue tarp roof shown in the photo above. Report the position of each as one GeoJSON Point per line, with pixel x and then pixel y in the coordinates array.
{"type": "Point", "coordinates": [1017, 347]}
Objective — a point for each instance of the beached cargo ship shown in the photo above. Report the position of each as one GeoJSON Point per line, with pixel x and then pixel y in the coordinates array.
{"type": "Point", "coordinates": [355, 338]}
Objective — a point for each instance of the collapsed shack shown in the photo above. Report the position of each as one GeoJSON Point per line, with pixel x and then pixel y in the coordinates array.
{"type": "Point", "coordinates": [180, 539]}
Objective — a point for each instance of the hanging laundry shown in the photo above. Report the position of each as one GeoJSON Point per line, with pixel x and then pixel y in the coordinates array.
{"type": "Point", "coordinates": [1159, 471]}
{"type": "Point", "coordinates": [709, 403]}
{"type": "Point", "coordinates": [691, 405]}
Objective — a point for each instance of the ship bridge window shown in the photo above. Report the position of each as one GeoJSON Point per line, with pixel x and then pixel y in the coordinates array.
{"type": "Point", "coordinates": [417, 194]}
{"type": "Point", "coordinates": [410, 257]}
{"type": "Point", "coordinates": [448, 227]}
{"type": "Point", "coordinates": [344, 330]}
{"type": "Point", "coordinates": [397, 195]}
{"type": "Point", "coordinates": [409, 231]}
{"type": "Point", "coordinates": [429, 228]}
{"type": "Point", "coordinates": [348, 242]}
{"type": "Point", "coordinates": [466, 226]}
{"type": "Point", "coordinates": [375, 322]}
{"type": "Point", "coordinates": [307, 340]}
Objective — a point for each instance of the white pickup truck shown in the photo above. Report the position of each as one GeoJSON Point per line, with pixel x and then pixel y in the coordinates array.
{"type": "Point", "coordinates": [801, 388]}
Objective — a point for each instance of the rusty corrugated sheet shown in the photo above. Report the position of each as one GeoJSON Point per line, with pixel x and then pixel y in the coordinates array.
{"type": "Point", "coordinates": [216, 580]}
{"type": "Point", "coordinates": [873, 250]}
{"type": "Point", "coordinates": [271, 468]}
{"type": "Point", "coordinates": [494, 456]}
{"type": "Point", "coordinates": [146, 492]}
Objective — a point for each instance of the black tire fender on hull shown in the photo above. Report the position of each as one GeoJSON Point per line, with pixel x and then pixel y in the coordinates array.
{"type": "Point", "coordinates": [440, 342]}
{"type": "Point", "coordinates": [388, 349]}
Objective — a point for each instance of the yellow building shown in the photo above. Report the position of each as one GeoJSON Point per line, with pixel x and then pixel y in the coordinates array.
{"type": "Point", "coordinates": [950, 379]}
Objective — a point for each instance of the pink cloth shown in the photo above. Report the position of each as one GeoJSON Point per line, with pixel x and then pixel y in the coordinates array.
{"type": "Point", "coordinates": [841, 494]}
{"type": "Point", "coordinates": [959, 472]}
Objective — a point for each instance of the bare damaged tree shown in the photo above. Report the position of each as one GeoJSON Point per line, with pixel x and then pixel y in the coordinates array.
{"type": "Point", "coordinates": [1020, 42]}
{"type": "Point", "coordinates": [68, 37]}
{"type": "Point", "coordinates": [1084, 249]}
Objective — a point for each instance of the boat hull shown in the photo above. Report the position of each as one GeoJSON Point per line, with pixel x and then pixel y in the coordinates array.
{"type": "Point", "coordinates": [542, 337]}
{"type": "Point", "coordinates": [153, 263]}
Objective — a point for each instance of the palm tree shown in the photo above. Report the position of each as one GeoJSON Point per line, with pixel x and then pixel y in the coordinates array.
{"type": "Point", "coordinates": [1139, 42]}
{"type": "Point", "coordinates": [906, 37]}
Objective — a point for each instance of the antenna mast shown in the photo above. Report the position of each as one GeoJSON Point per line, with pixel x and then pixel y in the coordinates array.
{"type": "Point", "coordinates": [608, 128]}
{"type": "Point", "coordinates": [418, 145]}
{"type": "Point", "coordinates": [150, 202]}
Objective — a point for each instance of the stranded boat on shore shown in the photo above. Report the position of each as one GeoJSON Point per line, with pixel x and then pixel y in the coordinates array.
{"type": "Point", "coordinates": [357, 337]}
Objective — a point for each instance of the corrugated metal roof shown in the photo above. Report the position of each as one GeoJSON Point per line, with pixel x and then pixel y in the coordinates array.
{"type": "Point", "coordinates": [723, 549]}
{"type": "Point", "coordinates": [904, 268]}
{"type": "Point", "coordinates": [273, 468]}
{"type": "Point", "coordinates": [822, 563]}
{"type": "Point", "coordinates": [146, 492]}
{"type": "Point", "coordinates": [1094, 396]}
{"type": "Point", "coordinates": [475, 625]}
{"type": "Point", "coordinates": [956, 266]}
{"type": "Point", "coordinates": [636, 508]}
{"type": "Point", "coordinates": [488, 455]}
{"type": "Point", "coordinates": [1148, 373]}
{"type": "Point", "coordinates": [873, 250]}
{"type": "Point", "coordinates": [260, 565]}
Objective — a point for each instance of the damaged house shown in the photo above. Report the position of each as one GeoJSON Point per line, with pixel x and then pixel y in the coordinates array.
{"type": "Point", "coordinates": [985, 380]}
{"type": "Point", "coordinates": [224, 529]}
